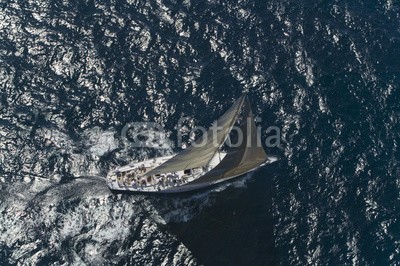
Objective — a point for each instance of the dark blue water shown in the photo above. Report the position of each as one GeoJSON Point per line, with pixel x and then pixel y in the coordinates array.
{"type": "Point", "coordinates": [73, 73]}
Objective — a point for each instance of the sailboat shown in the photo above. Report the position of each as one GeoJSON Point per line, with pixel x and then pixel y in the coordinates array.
{"type": "Point", "coordinates": [202, 164]}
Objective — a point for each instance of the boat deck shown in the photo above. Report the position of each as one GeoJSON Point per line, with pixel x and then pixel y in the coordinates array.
{"type": "Point", "coordinates": [133, 177]}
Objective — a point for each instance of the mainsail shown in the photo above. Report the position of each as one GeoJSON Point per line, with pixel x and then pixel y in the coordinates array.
{"type": "Point", "coordinates": [242, 159]}
{"type": "Point", "coordinates": [199, 155]}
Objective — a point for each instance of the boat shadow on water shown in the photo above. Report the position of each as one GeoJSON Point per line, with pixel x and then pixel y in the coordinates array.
{"type": "Point", "coordinates": [230, 223]}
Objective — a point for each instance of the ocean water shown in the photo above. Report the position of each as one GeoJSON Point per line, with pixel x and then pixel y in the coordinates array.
{"type": "Point", "coordinates": [74, 73]}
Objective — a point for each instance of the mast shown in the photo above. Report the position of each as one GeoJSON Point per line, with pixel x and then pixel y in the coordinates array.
{"type": "Point", "coordinates": [244, 95]}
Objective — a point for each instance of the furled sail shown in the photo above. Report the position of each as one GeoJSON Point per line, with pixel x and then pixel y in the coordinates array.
{"type": "Point", "coordinates": [242, 159]}
{"type": "Point", "coordinates": [207, 145]}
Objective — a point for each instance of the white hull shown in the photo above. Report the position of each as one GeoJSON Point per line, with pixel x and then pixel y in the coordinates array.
{"type": "Point", "coordinates": [132, 177]}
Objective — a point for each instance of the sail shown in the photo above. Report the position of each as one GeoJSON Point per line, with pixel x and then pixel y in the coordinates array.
{"type": "Point", "coordinates": [242, 159]}
{"type": "Point", "coordinates": [199, 155]}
